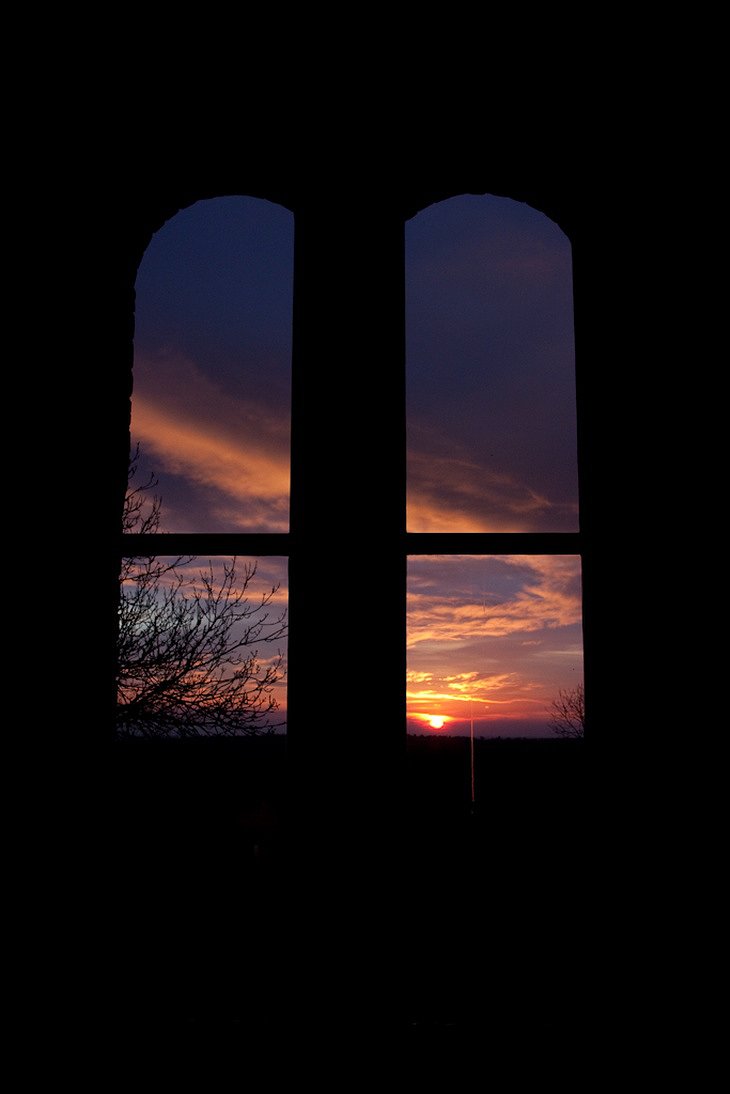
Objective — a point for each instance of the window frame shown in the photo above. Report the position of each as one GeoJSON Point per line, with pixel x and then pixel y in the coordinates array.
{"type": "Point", "coordinates": [347, 889]}
{"type": "Point", "coordinates": [574, 543]}
{"type": "Point", "coordinates": [317, 229]}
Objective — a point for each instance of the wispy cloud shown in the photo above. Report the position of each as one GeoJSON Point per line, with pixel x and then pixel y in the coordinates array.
{"type": "Point", "coordinates": [452, 490]}
{"type": "Point", "coordinates": [236, 449]}
{"type": "Point", "coordinates": [548, 596]}
{"type": "Point", "coordinates": [464, 687]}
{"type": "Point", "coordinates": [492, 637]}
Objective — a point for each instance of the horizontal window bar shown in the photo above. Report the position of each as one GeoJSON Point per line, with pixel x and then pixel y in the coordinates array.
{"type": "Point", "coordinates": [412, 543]}
{"type": "Point", "coordinates": [205, 543]}
{"type": "Point", "coordinates": [493, 543]}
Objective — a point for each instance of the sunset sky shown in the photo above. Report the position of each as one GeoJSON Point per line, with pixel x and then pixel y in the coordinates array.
{"type": "Point", "coordinates": [493, 638]}
{"type": "Point", "coordinates": [490, 368]}
{"type": "Point", "coordinates": [212, 365]}
{"type": "Point", "coordinates": [491, 428]}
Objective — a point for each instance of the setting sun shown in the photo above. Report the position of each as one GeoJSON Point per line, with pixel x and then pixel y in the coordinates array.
{"type": "Point", "coordinates": [436, 722]}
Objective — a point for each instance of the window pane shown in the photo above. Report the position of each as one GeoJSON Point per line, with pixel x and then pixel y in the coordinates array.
{"type": "Point", "coordinates": [212, 366]}
{"type": "Point", "coordinates": [493, 638]}
{"type": "Point", "coordinates": [202, 647]}
{"type": "Point", "coordinates": [490, 369]}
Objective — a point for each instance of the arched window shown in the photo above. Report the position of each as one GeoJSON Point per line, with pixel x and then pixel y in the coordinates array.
{"type": "Point", "coordinates": [494, 638]}
{"type": "Point", "coordinates": [203, 639]}
{"type": "Point", "coordinates": [211, 405]}
{"type": "Point", "coordinates": [364, 902]}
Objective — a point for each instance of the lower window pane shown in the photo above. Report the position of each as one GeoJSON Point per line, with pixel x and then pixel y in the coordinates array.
{"type": "Point", "coordinates": [202, 647]}
{"type": "Point", "coordinates": [199, 784]}
{"type": "Point", "coordinates": [495, 646]}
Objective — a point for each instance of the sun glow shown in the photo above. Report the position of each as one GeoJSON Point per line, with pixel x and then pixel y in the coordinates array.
{"type": "Point", "coordinates": [436, 722]}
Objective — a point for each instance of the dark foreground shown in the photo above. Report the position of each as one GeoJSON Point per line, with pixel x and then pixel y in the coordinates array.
{"type": "Point", "coordinates": [228, 909]}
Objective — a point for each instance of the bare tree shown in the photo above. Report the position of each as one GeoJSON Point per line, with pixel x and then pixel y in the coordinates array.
{"type": "Point", "coordinates": [189, 640]}
{"type": "Point", "coordinates": [567, 713]}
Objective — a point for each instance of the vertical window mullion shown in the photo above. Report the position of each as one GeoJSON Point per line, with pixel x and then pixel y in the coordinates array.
{"type": "Point", "coordinates": [348, 491]}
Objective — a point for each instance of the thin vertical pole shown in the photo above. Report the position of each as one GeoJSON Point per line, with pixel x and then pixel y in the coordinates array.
{"type": "Point", "coordinates": [471, 748]}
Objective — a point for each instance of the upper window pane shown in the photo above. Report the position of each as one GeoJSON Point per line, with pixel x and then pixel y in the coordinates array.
{"type": "Point", "coordinates": [490, 370]}
{"type": "Point", "coordinates": [212, 366]}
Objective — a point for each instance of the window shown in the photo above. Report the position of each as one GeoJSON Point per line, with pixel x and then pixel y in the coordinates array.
{"type": "Point", "coordinates": [490, 364]}
{"type": "Point", "coordinates": [211, 404]}
{"type": "Point", "coordinates": [203, 640]}
{"type": "Point", "coordinates": [344, 913]}
{"type": "Point", "coordinates": [493, 639]}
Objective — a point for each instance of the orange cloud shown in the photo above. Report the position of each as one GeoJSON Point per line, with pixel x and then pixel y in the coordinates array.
{"type": "Point", "coordinates": [257, 480]}
{"type": "Point", "coordinates": [465, 688]}
{"type": "Point", "coordinates": [450, 491]}
{"type": "Point", "coordinates": [188, 426]}
{"type": "Point", "coordinates": [269, 579]}
{"type": "Point", "coordinates": [455, 494]}
{"type": "Point", "coordinates": [492, 637]}
{"type": "Point", "coordinates": [550, 599]}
